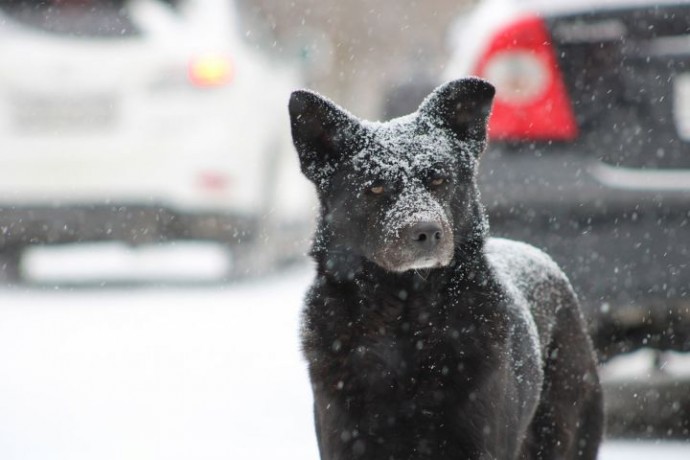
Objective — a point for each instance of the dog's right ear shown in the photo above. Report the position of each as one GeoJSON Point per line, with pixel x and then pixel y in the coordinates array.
{"type": "Point", "coordinates": [463, 107]}
{"type": "Point", "coordinates": [319, 128]}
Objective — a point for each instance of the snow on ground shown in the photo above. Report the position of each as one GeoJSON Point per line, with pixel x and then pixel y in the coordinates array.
{"type": "Point", "coordinates": [167, 373]}
{"type": "Point", "coordinates": [197, 373]}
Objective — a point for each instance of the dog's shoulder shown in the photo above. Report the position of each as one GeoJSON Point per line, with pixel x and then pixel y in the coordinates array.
{"type": "Point", "coordinates": [522, 264]}
{"type": "Point", "coordinates": [532, 281]}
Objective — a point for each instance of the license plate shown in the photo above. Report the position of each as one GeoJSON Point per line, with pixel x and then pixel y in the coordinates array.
{"type": "Point", "coordinates": [681, 105]}
{"type": "Point", "coordinates": [60, 114]}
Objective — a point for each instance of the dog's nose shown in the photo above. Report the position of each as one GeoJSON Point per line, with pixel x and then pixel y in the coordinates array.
{"type": "Point", "coordinates": [426, 234]}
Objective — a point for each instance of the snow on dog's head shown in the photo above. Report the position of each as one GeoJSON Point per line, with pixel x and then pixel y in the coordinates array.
{"type": "Point", "coordinates": [401, 193]}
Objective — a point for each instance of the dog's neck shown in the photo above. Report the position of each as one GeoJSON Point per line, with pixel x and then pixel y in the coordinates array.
{"type": "Point", "coordinates": [377, 299]}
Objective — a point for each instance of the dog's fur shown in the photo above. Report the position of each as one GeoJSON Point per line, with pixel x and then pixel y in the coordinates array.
{"type": "Point", "coordinates": [425, 339]}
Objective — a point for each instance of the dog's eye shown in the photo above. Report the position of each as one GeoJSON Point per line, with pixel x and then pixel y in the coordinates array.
{"type": "Point", "coordinates": [438, 181]}
{"type": "Point", "coordinates": [377, 189]}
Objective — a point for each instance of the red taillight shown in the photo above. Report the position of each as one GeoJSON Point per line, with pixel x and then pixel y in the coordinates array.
{"type": "Point", "coordinates": [531, 99]}
{"type": "Point", "coordinates": [210, 70]}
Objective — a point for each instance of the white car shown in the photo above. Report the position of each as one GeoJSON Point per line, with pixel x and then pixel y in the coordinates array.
{"type": "Point", "coordinates": [141, 121]}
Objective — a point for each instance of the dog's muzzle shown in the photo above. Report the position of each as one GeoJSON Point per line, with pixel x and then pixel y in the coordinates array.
{"type": "Point", "coordinates": [415, 234]}
{"type": "Point", "coordinates": [425, 244]}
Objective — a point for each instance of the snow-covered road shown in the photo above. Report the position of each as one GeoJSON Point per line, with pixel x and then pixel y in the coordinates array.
{"type": "Point", "coordinates": [167, 373]}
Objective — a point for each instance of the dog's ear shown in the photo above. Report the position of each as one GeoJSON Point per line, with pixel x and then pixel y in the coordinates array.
{"type": "Point", "coordinates": [319, 129]}
{"type": "Point", "coordinates": [462, 106]}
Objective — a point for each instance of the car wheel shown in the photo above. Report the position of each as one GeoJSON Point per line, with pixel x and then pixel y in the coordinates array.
{"type": "Point", "coordinates": [10, 265]}
{"type": "Point", "coordinates": [272, 246]}
{"type": "Point", "coordinates": [248, 260]}
{"type": "Point", "coordinates": [646, 397]}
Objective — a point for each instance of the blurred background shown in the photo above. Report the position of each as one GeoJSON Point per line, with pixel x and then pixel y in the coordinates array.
{"type": "Point", "coordinates": [355, 51]}
{"type": "Point", "coordinates": [154, 221]}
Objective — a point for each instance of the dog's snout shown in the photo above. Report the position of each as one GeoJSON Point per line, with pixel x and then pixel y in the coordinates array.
{"type": "Point", "coordinates": [426, 234]}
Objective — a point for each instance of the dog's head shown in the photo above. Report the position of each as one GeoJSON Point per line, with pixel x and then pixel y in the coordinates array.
{"type": "Point", "coordinates": [401, 194]}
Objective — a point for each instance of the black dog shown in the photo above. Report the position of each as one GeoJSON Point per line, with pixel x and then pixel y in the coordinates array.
{"type": "Point", "coordinates": [424, 339]}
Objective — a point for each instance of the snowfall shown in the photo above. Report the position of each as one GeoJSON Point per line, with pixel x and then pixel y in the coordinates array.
{"type": "Point", "coordinates": [155, 370]}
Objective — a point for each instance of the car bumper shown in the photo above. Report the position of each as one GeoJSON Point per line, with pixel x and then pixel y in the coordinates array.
{"type": "Point", "coordinates": [134, 224]}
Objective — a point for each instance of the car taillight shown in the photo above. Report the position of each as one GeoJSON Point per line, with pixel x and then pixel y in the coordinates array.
{"type": "Point", "coordinates": [210, 70]}
{"type": "Point", "coordinates": [531, 100]}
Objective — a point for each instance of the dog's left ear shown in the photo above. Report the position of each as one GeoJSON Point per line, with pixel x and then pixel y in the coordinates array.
{"type": "Point", "coordinates": [463, 107]}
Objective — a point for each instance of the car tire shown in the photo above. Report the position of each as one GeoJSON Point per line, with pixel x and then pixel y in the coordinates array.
{"type": "Point", "coordinates": [651, 408]}
{"type": "Point", "coordinates": [10, 266]}
{"type": "Point", "coordinates": [248, 260]}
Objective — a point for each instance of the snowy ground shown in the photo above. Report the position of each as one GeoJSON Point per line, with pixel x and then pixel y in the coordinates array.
{"type": "Point", "coordinates": [167, 373]}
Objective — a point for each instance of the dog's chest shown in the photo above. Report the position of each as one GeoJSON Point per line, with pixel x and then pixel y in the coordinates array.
{"type": "Point", "coordinates": [412, 344]}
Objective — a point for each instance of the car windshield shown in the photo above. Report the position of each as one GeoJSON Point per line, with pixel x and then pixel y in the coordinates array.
{"type": "Point", "coordinates": [87, 18]}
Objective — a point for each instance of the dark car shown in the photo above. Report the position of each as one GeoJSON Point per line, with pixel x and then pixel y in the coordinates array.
{"type": "Point", "coordinates": [590, 151]}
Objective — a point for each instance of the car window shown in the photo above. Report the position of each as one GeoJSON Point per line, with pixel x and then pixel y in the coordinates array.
{"type": "Point", "coordinates": [89, 18]}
